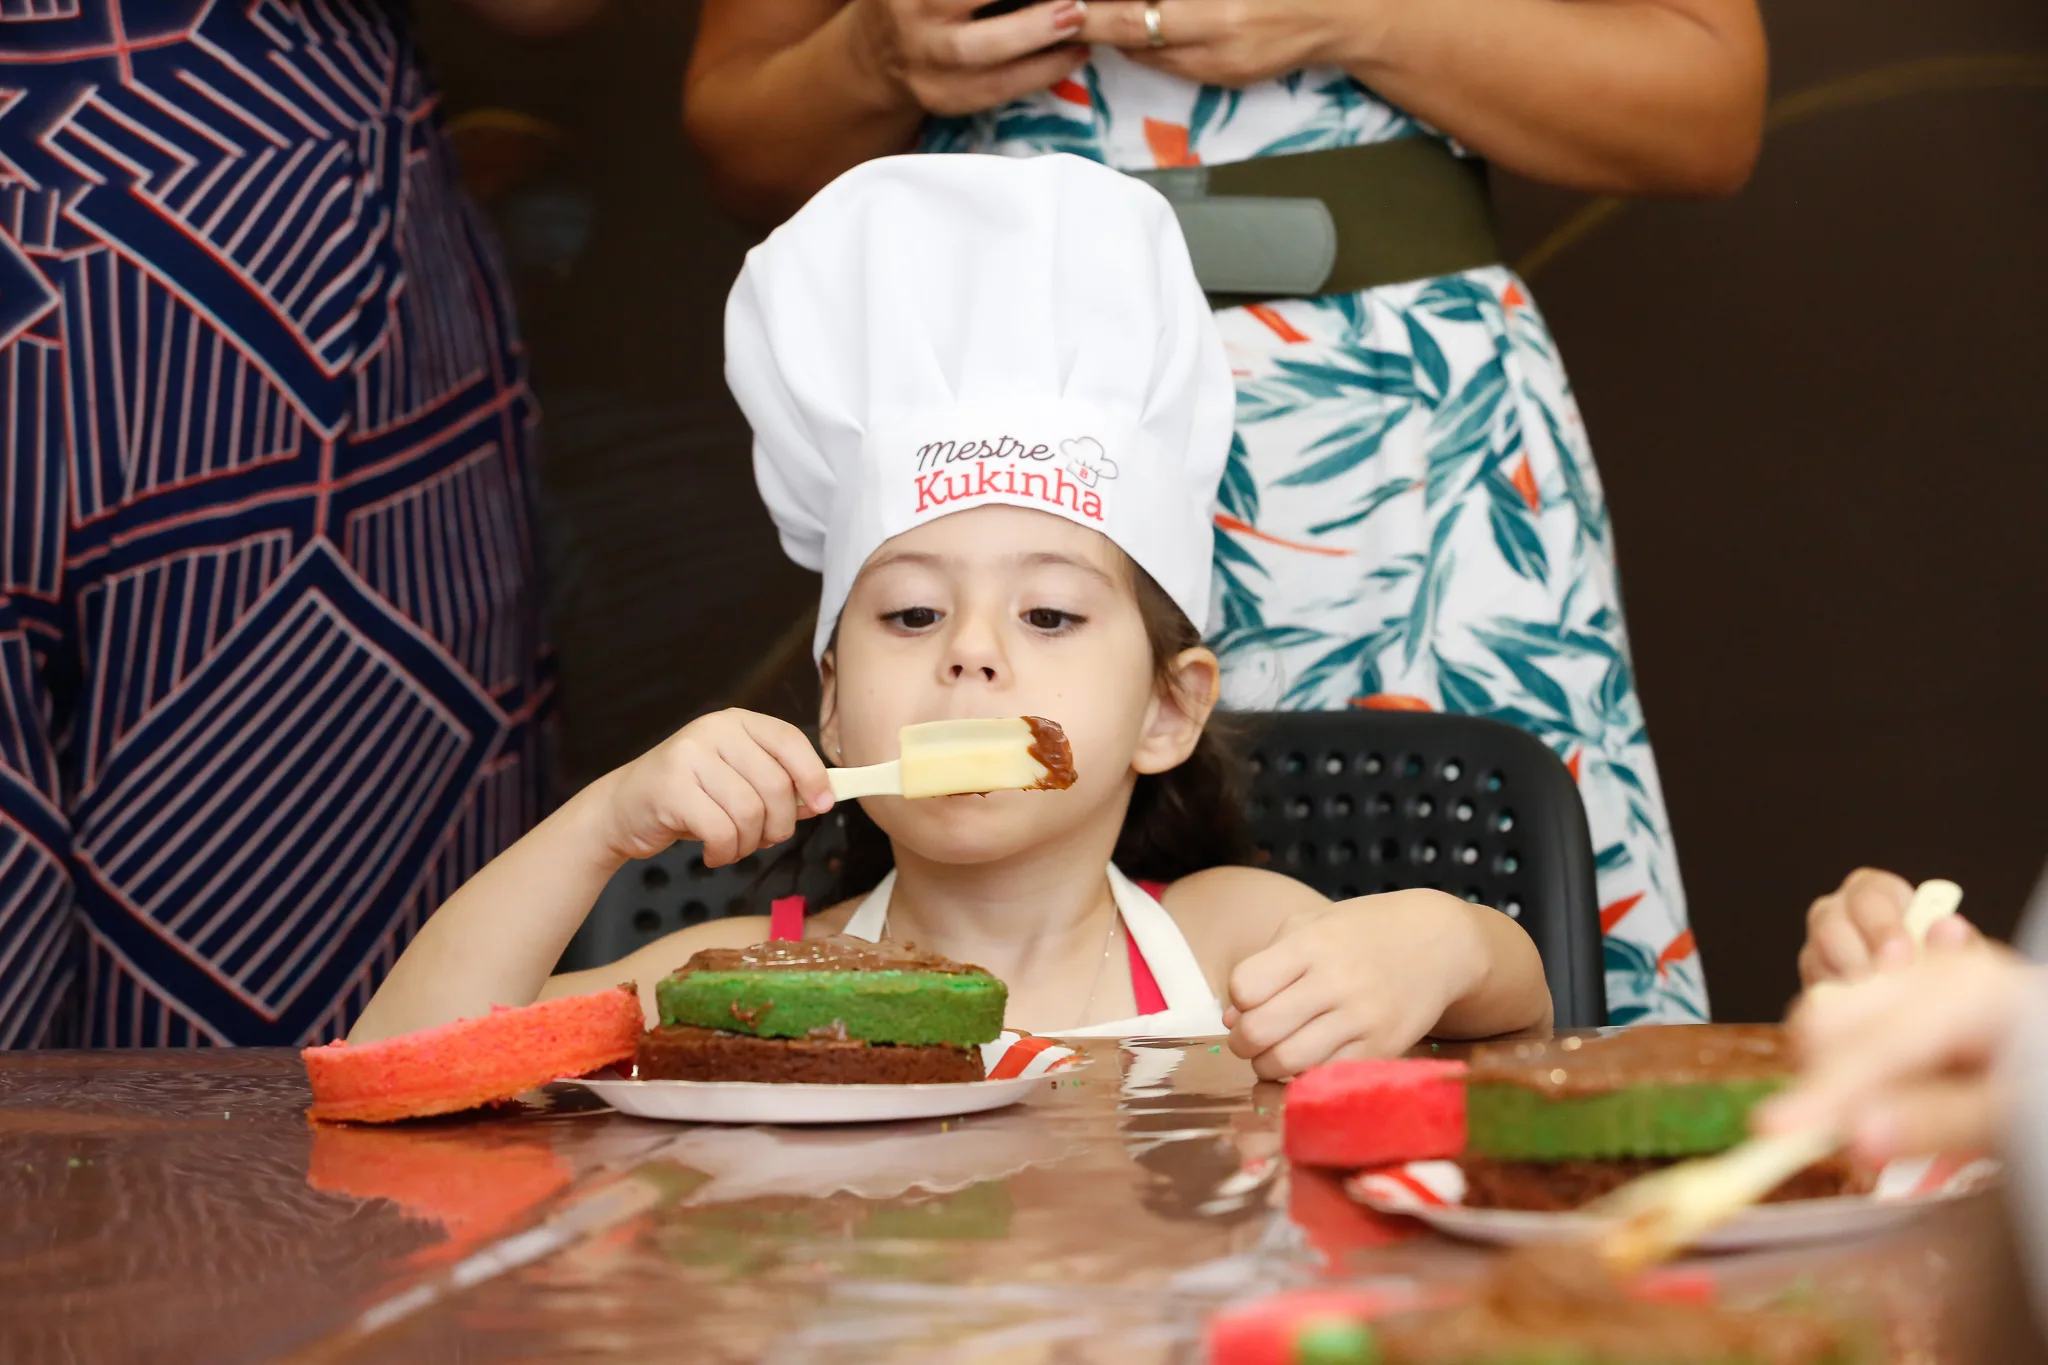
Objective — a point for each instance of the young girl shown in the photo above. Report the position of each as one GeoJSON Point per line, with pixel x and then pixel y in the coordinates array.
{"type": "Point", "coordinates": [990, 405]}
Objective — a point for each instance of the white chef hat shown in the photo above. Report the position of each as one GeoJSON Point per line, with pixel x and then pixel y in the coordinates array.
{"type": "Point", "coordinates": [935, 333]}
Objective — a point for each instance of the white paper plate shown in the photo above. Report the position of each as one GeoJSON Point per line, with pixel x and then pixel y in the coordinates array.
{"type": "Point", "coordinates": [1012, 1077]}
{"type": "Point", "coordinates": [1432, 1191]}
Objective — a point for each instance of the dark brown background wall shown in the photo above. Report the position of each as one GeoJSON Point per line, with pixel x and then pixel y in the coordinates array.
{"type": "Point", "coordinates": [1821, 409]}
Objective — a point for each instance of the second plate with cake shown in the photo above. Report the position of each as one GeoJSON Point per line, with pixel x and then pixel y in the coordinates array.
{"type": "Point", "coordinates": [1434, 1193]}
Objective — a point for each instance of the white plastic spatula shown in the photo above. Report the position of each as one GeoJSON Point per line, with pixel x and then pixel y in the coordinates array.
{"type": "Point", "coordinates": [1662, 1213]}
{"type": "Point", "coordinates": [958, 757]}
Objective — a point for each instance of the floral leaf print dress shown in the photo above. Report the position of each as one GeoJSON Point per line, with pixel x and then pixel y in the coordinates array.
{"type": "Point", "coordinates": [1410, 516]}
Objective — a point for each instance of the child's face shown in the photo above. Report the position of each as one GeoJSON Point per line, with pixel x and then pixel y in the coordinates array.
{"type": "Point", "coordinates": [1001, 611]}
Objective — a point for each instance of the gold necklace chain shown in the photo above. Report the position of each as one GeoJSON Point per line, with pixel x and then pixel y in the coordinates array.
{"type": "Point", "coordinates": [1108, 942]}
{"type": "Point", "coordinates": [1102, 965]}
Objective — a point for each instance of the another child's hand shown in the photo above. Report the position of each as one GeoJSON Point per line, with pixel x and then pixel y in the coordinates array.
{"type": "Point", "coordinates": [1860, 928]}
{"type": "Point", "coordinates": [1363, 978]}
{"type": "Point", "coordinates": [1904, 1063]}
{"type": "Point", "coordinates": [734, 780]}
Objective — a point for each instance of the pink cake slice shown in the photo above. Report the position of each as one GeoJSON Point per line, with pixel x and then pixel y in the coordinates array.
{"type": "Point", "coordinates": [1375, 1113]}
{"type": "Point", "coordinates": [473, 1061]}
{"type": "Point", "coordinates": [1281, 1330]}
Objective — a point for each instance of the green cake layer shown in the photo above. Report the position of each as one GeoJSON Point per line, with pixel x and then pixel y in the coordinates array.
{"type": "Point", "coordinates": [1651, 1091]}
{"type": "Point", "coordinates": [909, 1008]}
{"type": "Point", "coordinates": [1511, 1123]}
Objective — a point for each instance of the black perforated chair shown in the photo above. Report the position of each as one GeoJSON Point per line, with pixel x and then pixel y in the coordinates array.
{"type": "Point", "coordinates": [1351, 802]}
{"type": "Point", "coordinates": [1359, 802]}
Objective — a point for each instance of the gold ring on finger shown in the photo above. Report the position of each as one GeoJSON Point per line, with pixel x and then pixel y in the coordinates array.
{"type": "Point", "coordinates": [1155, 30]}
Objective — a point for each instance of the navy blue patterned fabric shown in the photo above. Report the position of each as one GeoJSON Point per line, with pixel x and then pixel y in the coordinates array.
{"type": "Point", "coordinates": [271, 678]}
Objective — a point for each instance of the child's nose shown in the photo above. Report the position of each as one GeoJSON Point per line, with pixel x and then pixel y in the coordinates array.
{"type": "Point", "coordinates": [976, 650]}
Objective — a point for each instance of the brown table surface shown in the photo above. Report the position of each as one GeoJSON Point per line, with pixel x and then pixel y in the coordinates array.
{"type": "Point", "coordinates": [177, 1206]}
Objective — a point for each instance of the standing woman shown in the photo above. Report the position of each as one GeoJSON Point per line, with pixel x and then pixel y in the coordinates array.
{"type": "Point", "coordinates": [271, 677]}
{"type": "Point", "coordinates": [1411, 517]}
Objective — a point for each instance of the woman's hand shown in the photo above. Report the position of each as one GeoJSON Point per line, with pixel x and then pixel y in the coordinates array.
{"type": "Point", "coordinates": [1231, 43]}
{"type": "Point", "coordinates": [784, 95]}
{"type": "Point", "coordinates": [734, 780]}
{"type": "Point", "coordinates": [1362, 978]}
{"type": "Point", "coordinates": [1905, 1063]}
{"type": "Point", "coordinates": [1625, 96]}
{"type": "Point", "coordinates": [1860, 928]}
{"type": "Point", "coordinates": [948, 62]}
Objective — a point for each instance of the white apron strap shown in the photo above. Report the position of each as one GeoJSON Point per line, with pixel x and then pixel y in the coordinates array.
{"type": "Point", "coordinates": [872, 916]}
{"type": "Point", "coordinates": [1191, 1008]}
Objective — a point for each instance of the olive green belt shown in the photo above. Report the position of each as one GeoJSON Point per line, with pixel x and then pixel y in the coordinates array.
{"type": "Point", "coordinates": [1331, 222]}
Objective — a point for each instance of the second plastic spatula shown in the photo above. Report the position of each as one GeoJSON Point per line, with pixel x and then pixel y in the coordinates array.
{"type": "Point", "coordinates": [962, 757]}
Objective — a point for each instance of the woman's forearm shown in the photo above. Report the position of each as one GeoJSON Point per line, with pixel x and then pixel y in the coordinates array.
{"type": "Point", "coordinates": [495, 941]}
{"type": "Point", "coordinates": [1612, 96]}
{"type": "Point", "coordinates": [776, 123]}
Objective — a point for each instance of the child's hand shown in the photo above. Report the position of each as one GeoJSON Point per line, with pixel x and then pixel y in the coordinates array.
{"type": "Point", "coordinates": [1904, 1063]}
{"type": "Point", "coordinates": [1860, 928]}
{"type": "Point", "coordinates": [1363, 978]}
{"type": "Point", "coordinates": [734, 780]}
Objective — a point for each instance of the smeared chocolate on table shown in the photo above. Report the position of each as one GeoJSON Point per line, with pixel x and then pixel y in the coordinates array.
{"type": "Point", "coordinates": [1052, 752]}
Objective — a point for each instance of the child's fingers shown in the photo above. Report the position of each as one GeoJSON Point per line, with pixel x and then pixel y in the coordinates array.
{"type": "Point", "coordinates": [1838, 946]}
{"type": "Point", "coordinates": [1335, 1033]}
{"type": "Point", "coordinates": [1944, 1013]}
{"type": "Point", "coordinates": [1269, 971]}
{"type": "Point", "coordinates": [1876, 903]}
{"type": "Point", "coordinates": [1265, 1026]}
{"type": "Point", "coordinates": [742, 805]}
{"type": "Point", "coordinates": [705, 821]}
{"type": "Point", "coordinates": [1942, 1114]}
{"type": "Point", "coordinates": [770, 781]}
{"type": "Point", "coordinates": [794, 752]}
{"type": "Point", "coordinates": [1820, 1022]}
{"type": "Point", "coordinates": [1952, 931]}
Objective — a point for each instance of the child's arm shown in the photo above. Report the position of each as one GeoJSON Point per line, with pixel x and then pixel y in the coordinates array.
{"type": "Point", "coordinates": [1310, 979]}
{"type": "Point", "coordinates": [735, 780]}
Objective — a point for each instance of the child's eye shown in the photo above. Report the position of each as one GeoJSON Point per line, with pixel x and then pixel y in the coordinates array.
{"type": "Point", "coordinates": [1052, 619]}
{"type": "Point", "coordinates": [914, 618]}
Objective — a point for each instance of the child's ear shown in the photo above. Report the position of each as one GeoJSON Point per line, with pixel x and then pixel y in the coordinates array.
{"type": "Point", "coordinates": [828, 708]}
{"type": "Point", "coordinates": [1173, 724]}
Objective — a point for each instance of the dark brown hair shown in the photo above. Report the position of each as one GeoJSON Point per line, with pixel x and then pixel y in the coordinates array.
{"type": "Point", "coordinates": [1180, 821]}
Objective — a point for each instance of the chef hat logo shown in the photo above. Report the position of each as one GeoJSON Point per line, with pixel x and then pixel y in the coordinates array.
{"type": "Point", "coordinates": [1086, 460]}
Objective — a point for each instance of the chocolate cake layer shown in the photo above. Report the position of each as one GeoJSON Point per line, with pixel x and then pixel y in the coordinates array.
{"type": "Point", "coordinates": [676, 1052]}
{"type": "Point", "coordinates": [1559, 1186]}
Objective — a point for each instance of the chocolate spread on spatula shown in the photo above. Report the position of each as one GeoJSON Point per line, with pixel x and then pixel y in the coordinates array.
{"type": "Point", "coordinates": [1050, 749]}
